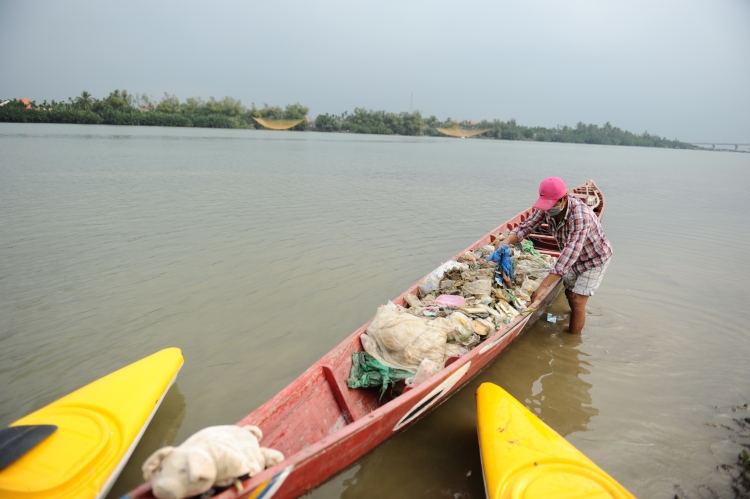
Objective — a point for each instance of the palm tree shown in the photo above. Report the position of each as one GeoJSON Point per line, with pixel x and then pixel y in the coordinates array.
{"type": "Point", "coordinates": [84, 100]}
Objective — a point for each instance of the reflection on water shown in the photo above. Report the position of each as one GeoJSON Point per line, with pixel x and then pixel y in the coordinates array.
{"type": "Point", "coordinates": [545, 371]}
{"type": "Point", "coordinates": [161, 432]}
{"type": "Point", "coordinates": [256, 252]}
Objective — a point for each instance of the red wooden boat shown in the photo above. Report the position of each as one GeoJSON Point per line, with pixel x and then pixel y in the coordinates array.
{"type": "Point", "coordinates": [322, 426]}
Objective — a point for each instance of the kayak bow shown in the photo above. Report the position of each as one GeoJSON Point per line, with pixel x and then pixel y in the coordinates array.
{"type": "Point", "coordinates": [523, 458]}
{"type": "Point", "coordinates": [98, 427]}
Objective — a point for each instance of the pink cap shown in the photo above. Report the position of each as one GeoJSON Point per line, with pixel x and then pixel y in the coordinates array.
{"type": "Point", "coordinates": [551, 190]}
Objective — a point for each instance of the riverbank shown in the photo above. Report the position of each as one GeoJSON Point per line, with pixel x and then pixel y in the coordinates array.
{"type": "Point", "coordinates": [121, 108]}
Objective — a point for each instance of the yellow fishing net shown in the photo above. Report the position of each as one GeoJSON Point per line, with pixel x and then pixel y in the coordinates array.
{"type": "Point", "coordinates": [278, 124]}
{"type": "Point", "coordinates": [462, 132]}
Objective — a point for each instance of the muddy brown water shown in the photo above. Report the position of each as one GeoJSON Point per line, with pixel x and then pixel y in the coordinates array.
{"type": "Point", "coordinates": [257, 252]}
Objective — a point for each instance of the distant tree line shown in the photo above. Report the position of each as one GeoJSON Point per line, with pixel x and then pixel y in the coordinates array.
{"type": "Point", "coordinates": [376, 122]}
{"type": "Point", "coordinates": [123, 108]}
{"type": "Point", "coordinates": [581, 134]}
{"type": "Point", "coordinates": [381, 122]}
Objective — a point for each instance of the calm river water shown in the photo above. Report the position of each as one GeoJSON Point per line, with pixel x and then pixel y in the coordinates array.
{"type": "Point", "coordinates": [257, 251]}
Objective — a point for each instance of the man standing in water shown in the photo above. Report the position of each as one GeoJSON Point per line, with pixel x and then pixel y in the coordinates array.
{"type": "Point", "coordinates": [585, 250]}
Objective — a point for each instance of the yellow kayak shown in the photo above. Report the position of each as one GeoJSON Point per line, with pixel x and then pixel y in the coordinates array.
{"type": "Point", "coordinates": [98, 427]}
{"type": "Point", "coordinates": [523, 458]}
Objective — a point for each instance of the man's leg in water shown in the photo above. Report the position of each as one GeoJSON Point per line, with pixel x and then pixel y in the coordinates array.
{"type": "Point", "coordinates": [585, 285]}
{"type": "Point", "coordinates": [577, 311]}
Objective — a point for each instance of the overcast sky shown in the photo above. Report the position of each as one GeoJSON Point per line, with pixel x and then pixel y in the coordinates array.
{"type": "Point", "coordinates": [679, 69]}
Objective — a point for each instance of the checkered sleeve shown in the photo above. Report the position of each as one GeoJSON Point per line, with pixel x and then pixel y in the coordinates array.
{"type": "Point", "coordinates": [576, 241]}
{"type": "Point", "coordinates": [529, 225]}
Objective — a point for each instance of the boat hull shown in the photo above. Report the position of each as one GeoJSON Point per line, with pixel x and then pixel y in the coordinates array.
{"type": "Point", "coordinates": [322, 427]}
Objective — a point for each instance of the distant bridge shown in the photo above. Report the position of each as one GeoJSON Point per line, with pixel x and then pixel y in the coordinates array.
{"type": "Point", "coordinates": [714, 144]}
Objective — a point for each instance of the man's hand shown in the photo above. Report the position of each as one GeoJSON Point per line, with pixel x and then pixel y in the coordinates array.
{"type": "Point", "coordinates": [533, 302]}
{"type": "Point", "coordinates": [533, 299]}
{"type": "Point", "coordinates": [510, 241]}
{"type": "Point", "coordinates": [548, 281]}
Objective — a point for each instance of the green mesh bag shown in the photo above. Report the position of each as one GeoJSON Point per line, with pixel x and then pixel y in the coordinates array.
{"type": "Point", "coordinates": [367, 372]}
{"type": "Point", "coordinates": [528, 247]}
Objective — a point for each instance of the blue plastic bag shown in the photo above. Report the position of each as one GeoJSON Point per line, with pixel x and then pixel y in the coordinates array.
{"type": "Point", "coordinates": [502, 257]}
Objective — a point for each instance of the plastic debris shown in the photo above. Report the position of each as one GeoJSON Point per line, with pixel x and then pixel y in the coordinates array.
{"type": "Point", "coordinates": [450, 301]}
{"type": "Point", "coordinates": [432, 282]}
{"type": "Point", "coordinates": [551, 318]}
{"type": "Point", "coordinates": [478, 288]}
{"type": "Point", "coordinates": [529, 285]}
{"type": "Point", "coordinates": [482, 327]}
{"type": "Point", "coordinates": [502, 257]}
{"type": "Point", "coordinates": [505, 308]}
{"type": "Point", "coordinates": [413, 301]}
{"type": "Point", "coordinates": [462, 330]}
{"type": "Point", "coordinates": [446, 284]}
{"type": "Point", "coordinates": [528, 247]}
{"type": "Point", "coordinates": [455, 349]}
{"type": "Point", "coordinates": [520, 305]}
{"type": "Point", "coordinates": [424, 372]}
{"type": "Point", "coordinates": [398, 339]}
{"type": "Point", "coordinates": [503, 294]}
{"type": "Point", "coordinates": [367, 371]}
{"type": "Point", "coordinates": [468, 258]}
{"type": "Point", "coordinates": [459, 305]}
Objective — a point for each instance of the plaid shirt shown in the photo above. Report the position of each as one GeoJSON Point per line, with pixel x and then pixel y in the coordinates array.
{"type": "Point", "coordinates": [579, 235]}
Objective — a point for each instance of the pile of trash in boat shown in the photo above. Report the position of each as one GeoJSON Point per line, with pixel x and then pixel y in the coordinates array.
{"type": "Point", "coordinates": [460, 303]}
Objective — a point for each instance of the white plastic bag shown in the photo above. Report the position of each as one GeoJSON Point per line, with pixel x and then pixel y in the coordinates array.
{"type": "Point", "coordinates": [432, 281]}
{"type": "Point", "coordinates": [452, 349]}
{"type": "Point", "coordinates": [425, 370]}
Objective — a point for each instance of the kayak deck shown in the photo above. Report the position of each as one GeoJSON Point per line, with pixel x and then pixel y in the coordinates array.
{"type": "Point", "coordinates": [524, 458]}
{"type": "Point", "coordinates": [98, 428]}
